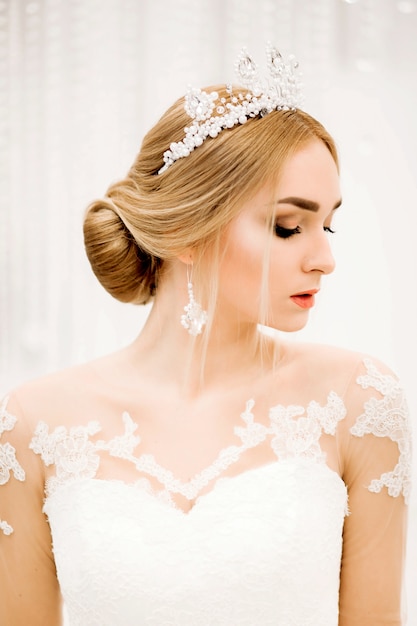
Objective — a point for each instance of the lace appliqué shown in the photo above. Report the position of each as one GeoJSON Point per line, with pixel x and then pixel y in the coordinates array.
{"type": "Point", "coordinates": [72, 453]}
{"type": "Point", "coordinates": [75, 456]}
{"type": "Point", "coordinates": [387, 417]}
{"type": "Point", "coordinates": [294, 431]}
{"type": "Point", "coordinates": [5, 527]}
{"type": "Point", "coordinates": [8, 462]}
{"type": "Point", "coordinates": [300, 437]}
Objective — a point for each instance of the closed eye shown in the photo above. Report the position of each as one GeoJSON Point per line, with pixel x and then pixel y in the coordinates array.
{"type": "Point", "coordinates": [327, 229]}
{"type": "Point", "coordinates": [285, 233]}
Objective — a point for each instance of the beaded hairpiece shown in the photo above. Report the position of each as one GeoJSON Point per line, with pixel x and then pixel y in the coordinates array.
{"type": "Point", "coordinates": [281, 90]}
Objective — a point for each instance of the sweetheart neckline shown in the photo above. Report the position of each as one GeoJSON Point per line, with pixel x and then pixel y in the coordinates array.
{"type": "Point", "coordinates": [201, 499]}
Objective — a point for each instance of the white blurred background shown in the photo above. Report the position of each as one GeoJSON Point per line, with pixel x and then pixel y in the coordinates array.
{"type": "Point", "coordinates": [80, 83]}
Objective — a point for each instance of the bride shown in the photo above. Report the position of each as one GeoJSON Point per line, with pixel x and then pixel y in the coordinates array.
{"type": "Point", "coordinates": [211, 473]}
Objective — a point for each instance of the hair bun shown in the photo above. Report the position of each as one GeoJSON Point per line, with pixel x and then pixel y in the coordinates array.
{"type": "Point", "coordinates": [125, 270]}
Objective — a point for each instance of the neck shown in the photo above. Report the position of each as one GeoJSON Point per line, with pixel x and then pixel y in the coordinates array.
{"type": "Point", "coordinates": [224, 354]}
{"type": "Point", "coordinates": [228, 352]}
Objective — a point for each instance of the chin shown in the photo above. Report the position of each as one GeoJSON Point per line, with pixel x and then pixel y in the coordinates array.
{"type": "Point", "coordinates": [290, 326]}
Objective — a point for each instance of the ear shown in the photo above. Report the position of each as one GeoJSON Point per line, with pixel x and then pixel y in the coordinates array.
{"type": "Point", "coordinates": [186, 257]}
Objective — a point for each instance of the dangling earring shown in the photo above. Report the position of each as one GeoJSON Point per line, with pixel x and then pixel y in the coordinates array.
{"type": "Point", "coordinates": [194, 317]}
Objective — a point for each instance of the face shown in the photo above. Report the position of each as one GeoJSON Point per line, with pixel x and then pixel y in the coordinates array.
{"type": "Point", "coordinates": [299, 213]}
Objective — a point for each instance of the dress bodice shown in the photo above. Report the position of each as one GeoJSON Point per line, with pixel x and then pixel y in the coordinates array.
{"type": "Point", "coordinates": [259, 546]}
{"type": "Point", "coordinates": [242, 555]}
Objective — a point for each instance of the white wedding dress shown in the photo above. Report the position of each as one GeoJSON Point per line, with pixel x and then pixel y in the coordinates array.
{"type": "Point", "coordinates": [258, 547]}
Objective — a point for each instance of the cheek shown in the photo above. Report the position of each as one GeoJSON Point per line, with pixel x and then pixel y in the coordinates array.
{"type": "Point", "coordinates": [282, 258]}
{"type": "Point", "coordinates": [244, 257]}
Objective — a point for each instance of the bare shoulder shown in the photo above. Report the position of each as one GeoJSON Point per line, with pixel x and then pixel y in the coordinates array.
{"type": "Point", "coordinates": [322, 355]}
{"type": "Point", "coordinates": [331, 363]}
{"type": "Point", "coordinates": [65, 395]}
{"type": "Point", "coordinates": [328, 354]}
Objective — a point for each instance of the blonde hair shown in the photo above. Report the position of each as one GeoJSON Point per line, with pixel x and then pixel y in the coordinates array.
{"type": "Point", "coordinates": [147, 218]}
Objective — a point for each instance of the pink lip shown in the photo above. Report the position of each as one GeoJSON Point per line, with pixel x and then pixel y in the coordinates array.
{"type": "Point", "coordinates": [306, 299]}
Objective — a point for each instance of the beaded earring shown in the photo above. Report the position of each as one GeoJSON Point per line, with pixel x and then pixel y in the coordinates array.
{"type": "Point", "coordinates": [194, 318]}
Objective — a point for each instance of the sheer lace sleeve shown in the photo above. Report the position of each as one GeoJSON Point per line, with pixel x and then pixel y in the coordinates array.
{"type": "Point", "coordinates": [28, 588]}
{"type": "Point", "coordinates": [377, 469]}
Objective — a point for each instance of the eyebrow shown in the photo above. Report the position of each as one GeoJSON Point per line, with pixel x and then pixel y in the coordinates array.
{"type": "Point", "coordinates": [308, 205]}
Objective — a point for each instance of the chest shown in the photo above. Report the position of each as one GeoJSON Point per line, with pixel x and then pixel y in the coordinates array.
{"type": "Point", "coordinates": [254, 543]}
{"type": "Point", "coordinates": [185, 460]}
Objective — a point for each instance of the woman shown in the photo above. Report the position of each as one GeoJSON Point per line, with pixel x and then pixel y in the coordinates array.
{"type": "Point", "coordinates": [211, 473]}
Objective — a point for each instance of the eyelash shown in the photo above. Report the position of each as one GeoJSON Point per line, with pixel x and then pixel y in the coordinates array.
{"type": "Point", "coordinates": [286, 233]}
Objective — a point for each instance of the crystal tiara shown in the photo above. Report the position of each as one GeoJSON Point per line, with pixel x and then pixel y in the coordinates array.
{"type": "Point", "coordinates": [281, 90]}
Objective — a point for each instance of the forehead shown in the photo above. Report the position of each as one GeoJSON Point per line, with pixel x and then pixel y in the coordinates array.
{"type": "Point", "coordinates": [311, 173]}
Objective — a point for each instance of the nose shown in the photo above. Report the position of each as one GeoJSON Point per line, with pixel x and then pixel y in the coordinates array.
{"type": "Point", "coordinates": [320, 257]}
